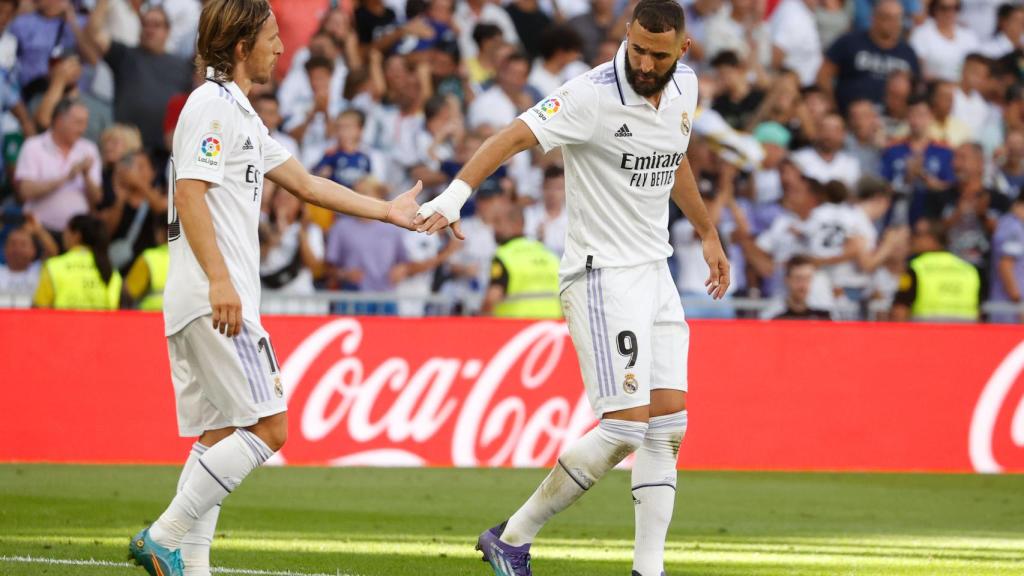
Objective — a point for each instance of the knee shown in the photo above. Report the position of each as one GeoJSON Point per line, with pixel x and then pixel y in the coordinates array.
{"type": "Point", "coordinates": [273, 430]}
{"type": "Point", "coordinates": [625, 435]}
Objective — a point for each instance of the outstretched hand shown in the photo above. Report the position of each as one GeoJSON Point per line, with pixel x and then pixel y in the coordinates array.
{"type": "Point", "coordinates": [402, 209]}
{"type": "Point", "coordinates": [435, 223]}
{"type": "Point", "coordinates": [718, 266]}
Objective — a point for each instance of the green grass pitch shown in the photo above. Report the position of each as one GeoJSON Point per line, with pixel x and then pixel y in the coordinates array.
{"type": "Point", "coordinates": [393, 522]}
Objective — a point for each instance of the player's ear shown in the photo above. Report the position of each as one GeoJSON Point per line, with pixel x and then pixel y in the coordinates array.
{"type": "Point", "coordinates": [685, 47]}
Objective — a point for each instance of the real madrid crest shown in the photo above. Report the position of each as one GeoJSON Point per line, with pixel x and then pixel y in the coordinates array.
{"type": "Point", "coordinates": [278, 387]}
{"type": "Point", "coordinates": [684, 125]}
{"type": "Point", "coordinates": [630, 384]}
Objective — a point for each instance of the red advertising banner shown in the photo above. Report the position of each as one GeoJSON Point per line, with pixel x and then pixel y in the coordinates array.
{"type": "Point", "coordinates": [95, 387]}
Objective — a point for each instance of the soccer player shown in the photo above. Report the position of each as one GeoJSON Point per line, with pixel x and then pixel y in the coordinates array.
{"type": "Point", "coordinates": [623, 129]}
{"type": "Point", "coordinates": [226, 377]}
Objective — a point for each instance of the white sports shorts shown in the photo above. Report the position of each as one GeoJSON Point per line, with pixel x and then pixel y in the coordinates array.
{"type": "Point", "coordinates": [630, 334]}
{"type": "Point", "coordinates": [222, 382]}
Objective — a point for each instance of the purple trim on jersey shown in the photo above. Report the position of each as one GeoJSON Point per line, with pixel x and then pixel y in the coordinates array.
{"type": "Point", "coordinates": [618, 85]}
{"type": "Point", "coordinates": [604, 330]}
{"type": "Point", "coordinates": [245, 367]}
{"type": "Point", "coordinates": [263, 385]}
{"type": "Point", "coordinates": [595, 336]}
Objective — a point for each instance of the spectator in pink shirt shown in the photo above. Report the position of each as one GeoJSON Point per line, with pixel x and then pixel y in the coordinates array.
{"type": "Point", "coordinates": [58, 171]}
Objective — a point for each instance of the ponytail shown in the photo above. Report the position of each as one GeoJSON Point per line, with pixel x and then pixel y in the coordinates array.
{"type": "Point", "coordinates": [94, 235]}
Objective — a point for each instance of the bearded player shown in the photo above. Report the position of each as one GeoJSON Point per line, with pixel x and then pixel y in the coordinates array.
{"type": "Point", "coordinates": [623, 129]}
{"type": "Point", "coordinates": [226, 377]}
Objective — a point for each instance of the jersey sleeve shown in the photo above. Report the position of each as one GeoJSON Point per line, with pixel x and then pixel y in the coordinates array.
{"type": "Point", "coordinates": [499, 274]}
{"type": "Point", "coordinates": [201, 142]}
{"type": "Point", "coordinates": [569, 116]}
{"type": "Point", "coordinates": [274, 154]}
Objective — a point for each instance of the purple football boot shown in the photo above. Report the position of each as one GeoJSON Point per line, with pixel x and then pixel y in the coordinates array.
{"type": "Point", "coordinates": [505, 559]}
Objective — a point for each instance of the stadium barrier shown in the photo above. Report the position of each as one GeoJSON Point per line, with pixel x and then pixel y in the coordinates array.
{"type": "Point", "coordinates": [94, 387]}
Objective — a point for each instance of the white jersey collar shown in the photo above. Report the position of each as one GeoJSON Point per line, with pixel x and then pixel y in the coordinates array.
{"type": "Point", "coordinates": [235, 92]}
{"type": "Point", "coordinates": [628, 96]}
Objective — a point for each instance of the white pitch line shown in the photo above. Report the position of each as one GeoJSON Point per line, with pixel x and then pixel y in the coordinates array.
{"type": "Point", "coordinates": [109, 564]}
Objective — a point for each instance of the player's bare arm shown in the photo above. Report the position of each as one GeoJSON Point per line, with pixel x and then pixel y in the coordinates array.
{"type": "Point", "coordinates": [292, 176]}
{"type": "Point", "coordinates": [194, 214]}
{"type": "Point", "coordinates": [443, 211]}
{"type": "Point", "coordinates": [687, 196]}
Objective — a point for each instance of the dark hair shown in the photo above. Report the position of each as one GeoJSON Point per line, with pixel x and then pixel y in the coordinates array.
{"type": "Point", "coordinates": [1003, 14]}
{"type": "Point", "coordinates": [357, 113]}
{"type": "Point", "coordinates": [835, 192]}
{"type": "Point", "coordinates": [871, 187]}
{"type": "Point", "coordinates": [553, 171]}
{"type": "Point", "coordinates": [559, 38]}
{"type": "Point", "coordinates": [353, 81]}
{"type": "Point", "coordinates": [798, 261]}
{"type": "Point", "coordinates": [222, 25]}
{"type": "Point", "coordinates": [725, 58]}
{"type": "Point", "coordinates": [979, 58]}
{"type": "Point", "coordinates": [434, 106]}
{"type": "Point", "coordinates": [315, 62]}
{"type": "Point", "coordinates": [918, 99]}
{"type": "Point", "coordinates": [94, 235]}
{"type": "Point", "coordinates": [660, 16]}
{"type": "Point", "coordinates": [451, 48]}
{"type": "Point", "coordinates": [517, 56]}
{"type": "Point", "coordinates": [933, 7]}
{"type": "Point", "coordinates": [414, 8]}
{"type": "Point", "coordinates": [484, 32]}
{"type": "Point", "coordinates": [63, 107]}
{"type": "Point", "coordinates": [931, 227]}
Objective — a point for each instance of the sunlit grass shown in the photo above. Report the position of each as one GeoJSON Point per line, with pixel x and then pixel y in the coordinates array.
{"type": "Point", "coordinates": [425, 522]}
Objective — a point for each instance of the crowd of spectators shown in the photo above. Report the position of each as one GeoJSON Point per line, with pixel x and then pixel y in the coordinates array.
{"type": "Point", "coordinates": [830, 133]}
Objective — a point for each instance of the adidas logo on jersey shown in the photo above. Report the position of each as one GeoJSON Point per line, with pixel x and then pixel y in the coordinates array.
{"type": "Point", "coordinates": [623, 132]}
{"type": "Point", "coordinates": [248, 144]}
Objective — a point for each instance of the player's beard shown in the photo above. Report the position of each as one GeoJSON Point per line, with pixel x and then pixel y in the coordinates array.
{"type": "Point", "coordinates": [648, 84]}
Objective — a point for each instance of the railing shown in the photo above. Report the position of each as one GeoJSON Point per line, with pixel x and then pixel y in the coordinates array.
{"type": "Point", "coordinates": [397, 304]}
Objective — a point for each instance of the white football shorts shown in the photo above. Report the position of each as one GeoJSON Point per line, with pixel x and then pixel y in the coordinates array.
{"type": "Point", "coordinates": [630, 334]}
{"type": "Point", "coordinates": [222, 382]}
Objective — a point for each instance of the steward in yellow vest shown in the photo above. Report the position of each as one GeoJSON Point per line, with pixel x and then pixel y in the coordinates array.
{"type": "Point", "coordinates": [937, 285]}
{"type": "Point", "coordinates": [147, 277]}
{"type": "Point", "coordinates": [524, 273]}
{"type": "Point", "coordinates": [82, 278]}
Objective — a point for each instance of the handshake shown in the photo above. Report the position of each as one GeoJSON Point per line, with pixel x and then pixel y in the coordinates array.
{"type": "Point", "coordinates": [444, 211]}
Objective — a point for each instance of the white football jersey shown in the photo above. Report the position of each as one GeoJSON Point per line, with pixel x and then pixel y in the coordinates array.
{"type": "Point", "coordinates": [620, 157]}
{"type": "Point", "coordinates": [219, 139]}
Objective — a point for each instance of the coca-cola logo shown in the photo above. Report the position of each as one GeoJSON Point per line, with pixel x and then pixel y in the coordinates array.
{"type": "Point", "coordinates": [997, 427]}
{"type": "Point", "coordinates": [384, 399]}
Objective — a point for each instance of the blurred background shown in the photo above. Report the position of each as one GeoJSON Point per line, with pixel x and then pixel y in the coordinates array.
{"type": "Point", "coordinates": [835, 143]}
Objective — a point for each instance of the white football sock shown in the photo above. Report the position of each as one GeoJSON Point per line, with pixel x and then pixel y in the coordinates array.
{"type": "Point", "coordinates": [195, 546]}
{"type": "Point", "coordinates": [579, 468]}
{"type": "Point", "coordinates": [216, 473]}
{"type": "Point", "coordinates": [654, 490]}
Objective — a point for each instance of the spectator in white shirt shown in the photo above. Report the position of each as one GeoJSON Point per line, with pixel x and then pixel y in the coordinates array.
{"type": "Point", "coordinates": [296, 91]}
{"type": "Point", "coordinates": [20, 275]}
{"type": "Point", "coordinates": [291, 247]}
{"type": "Point", "coordinates": [739, 28]}
{"type": "Point", "coordinates": [560, 48]}
{"type": "Point", "coordinates": [1009, 34]}
{"type": "Point", "coordinates": [500, 104]}
{"type": "Point", "coordinates": [309, 124]}
{"type": "Point", "coordinates": [472, 12]}
{"type": "Point", "coordinates": [795, 41]}
{"type": "Point", "coordinates": [269, 111]}
{"type": "Point", "coordinates": [826, 160]}
{"type": "Point", "coordinates": [941, 43]}
{"type": "Point", "coordinates": [547, 221]}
